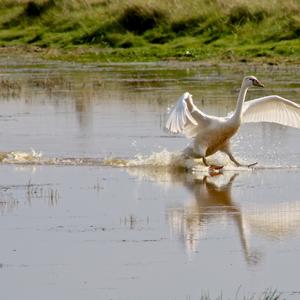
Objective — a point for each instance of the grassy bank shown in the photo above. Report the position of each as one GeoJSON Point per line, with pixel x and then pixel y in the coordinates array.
{"type": "Point", "coordinates": [139, 30]}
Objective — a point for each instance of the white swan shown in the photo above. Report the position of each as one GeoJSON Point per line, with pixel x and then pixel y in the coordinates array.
{"type": "Point", "coordinates": [211, 134]}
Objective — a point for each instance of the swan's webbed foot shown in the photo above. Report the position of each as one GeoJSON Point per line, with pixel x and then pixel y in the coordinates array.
{"type": "Point", "coordinates": [214, 170]}
{"type": "Point", "coordinates": [252, 165]}
{"type": "Point", "coordinates": [215, 167]}
{"type": "Point", "coordinates": [245, 165]}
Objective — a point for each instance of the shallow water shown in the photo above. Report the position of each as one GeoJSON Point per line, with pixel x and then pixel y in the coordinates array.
{"type": "Point", "coordinates": [100, 209]}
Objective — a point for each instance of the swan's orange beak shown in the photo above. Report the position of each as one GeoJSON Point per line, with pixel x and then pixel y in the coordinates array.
{"type": "Point", "coordinates": [257, 83]}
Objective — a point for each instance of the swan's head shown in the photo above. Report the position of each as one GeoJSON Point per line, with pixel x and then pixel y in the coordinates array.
{"type": "Point", "coordinates": [252, 81]}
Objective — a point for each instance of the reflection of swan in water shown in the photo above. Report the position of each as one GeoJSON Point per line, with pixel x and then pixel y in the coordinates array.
{"type": "Point", "coordinates": [211, 201]}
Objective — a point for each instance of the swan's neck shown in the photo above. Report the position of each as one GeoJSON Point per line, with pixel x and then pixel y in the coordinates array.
{"type": "Point", "coordinates": [239, 106]}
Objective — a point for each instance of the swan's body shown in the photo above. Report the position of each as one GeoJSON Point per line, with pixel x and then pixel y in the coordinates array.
{"type": "Point", "coordinates": [211, 134]}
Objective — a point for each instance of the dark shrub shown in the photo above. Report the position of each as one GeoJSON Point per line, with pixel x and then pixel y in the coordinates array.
{"type": "Point", "coordinates": [34, 9]}
{"type": "Point", "coordinates": [140, 19]}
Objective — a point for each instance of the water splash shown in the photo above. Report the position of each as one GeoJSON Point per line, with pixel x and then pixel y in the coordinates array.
{"type": "Point", "coordinates": [170, 161]}
{"type": "Point", "coordinates": [37, 158]}
{"type": "Point", "coordinates": [159, 160]}
{"type": "Point", "coordinates": [163, 160]}
{"type": "Point", "coordinates": [19, 157]}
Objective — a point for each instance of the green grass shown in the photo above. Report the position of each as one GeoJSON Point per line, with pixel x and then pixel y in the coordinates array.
{"type": "Point", "coordinates": [140, 30]}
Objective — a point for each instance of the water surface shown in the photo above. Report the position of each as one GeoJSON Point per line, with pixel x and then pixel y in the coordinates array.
{"type": "Point", "coordinates": [74, 224]}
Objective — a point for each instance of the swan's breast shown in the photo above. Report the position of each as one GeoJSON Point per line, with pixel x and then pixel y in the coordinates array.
{"type": "Point", "coordinates": [217, 137]}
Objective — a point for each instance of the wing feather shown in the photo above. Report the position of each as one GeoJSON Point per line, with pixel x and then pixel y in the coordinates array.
{"type": "Point", "coordinates": [273, 109]}
{"type": "Point", "coordinates": [180, 116]}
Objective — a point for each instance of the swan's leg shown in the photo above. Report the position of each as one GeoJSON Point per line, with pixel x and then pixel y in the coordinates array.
{"type": "Point", "coordinates": [239, 164]}
{"type": "Point", "coordinates": [233, 159]}
{"type": "Point", "coordinates": [201, 150]}
{"type": "Point", "coordinates": [211, 167]}
{"type": "Point", "coordinates": [190, 152]}
{"type": "Point", "coordinates": [205, 161]}
{"type": "Point", "coordinates": [228, 152]}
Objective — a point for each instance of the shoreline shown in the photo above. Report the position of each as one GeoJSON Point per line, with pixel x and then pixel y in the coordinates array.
{"type": "Point", "coordinates": [90, 55]}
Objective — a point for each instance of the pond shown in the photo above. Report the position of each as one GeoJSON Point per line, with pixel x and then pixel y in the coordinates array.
{"type": "Point", "coordinates": [92, 208]}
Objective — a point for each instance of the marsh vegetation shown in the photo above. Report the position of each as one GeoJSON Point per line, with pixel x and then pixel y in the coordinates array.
{"type": "Point", "coordinates": [105, 30]}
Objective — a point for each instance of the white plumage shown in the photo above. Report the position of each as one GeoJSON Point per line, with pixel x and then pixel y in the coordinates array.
{"type": "Point", "coordinates": [211, 134]}
{"type": "Point", "coordinates": [180, 115]}
{"type": "Point", "coordinates": [273, 109]}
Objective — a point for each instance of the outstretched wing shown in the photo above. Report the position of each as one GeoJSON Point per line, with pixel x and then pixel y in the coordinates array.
{"type": "Point", "coordinates": [180, 116]}
{"type": "Point", "coordinates": [273, 109]}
